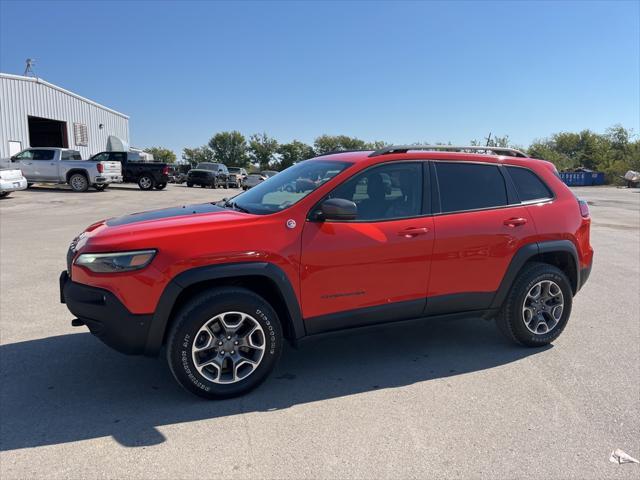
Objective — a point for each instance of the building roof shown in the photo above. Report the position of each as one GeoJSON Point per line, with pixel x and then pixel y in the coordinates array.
{"type": "Point", "coordinates": [60, 89]}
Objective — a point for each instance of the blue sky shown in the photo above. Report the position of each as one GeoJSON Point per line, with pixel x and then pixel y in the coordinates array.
{"type": "Point", "coordinates": [399, 72]}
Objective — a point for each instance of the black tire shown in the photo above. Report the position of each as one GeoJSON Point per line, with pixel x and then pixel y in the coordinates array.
{"type": "Point", "coordinates": [226, 185]}
{"type": "Point", "coordinates": [510, 320]}
{"type": "Point", "coordinates": [4, 194]}
{"type": "Point", "coordinates": [200, 310]}
{"type": "Point", "coordinates": [79, 182]}
{"type": "Point", "coordinates": [29, 185]}
{"type": "Point", "coordinates": [189, 184]}
{"type": "Point", "coordinates": [146, 182]}
{"type": "Point", "coordinates": [102, 187]}
{"type": "Point", "coordinates": [161, 186]}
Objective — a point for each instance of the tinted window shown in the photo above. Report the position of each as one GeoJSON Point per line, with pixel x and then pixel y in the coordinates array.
{"type": "Point", "coordinates": [385, 192]}
{"type": "Point", "coordinates": [468, 186]}
{"type": "Point", "coordinates": [529, 186]}
{"type": "Point", "coordinates": [43, 154]}
{"type": "Point", "coordinates": [101, 157]}
{"type": "Point", "coordinates": [70, 155]}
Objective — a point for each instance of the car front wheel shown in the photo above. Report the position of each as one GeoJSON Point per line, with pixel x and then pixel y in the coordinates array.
{"type": "Point", "coordinates": [224, 343]}
{"type": "Point", "coordinates": [538, 306]}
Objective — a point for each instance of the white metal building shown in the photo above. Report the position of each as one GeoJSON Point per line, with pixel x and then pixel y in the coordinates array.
{"type": "Point", "coordinates": [35, 113]}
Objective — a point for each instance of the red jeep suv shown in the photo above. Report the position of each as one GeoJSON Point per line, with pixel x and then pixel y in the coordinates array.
{"type": "Point", "coordinates": [340, 241]}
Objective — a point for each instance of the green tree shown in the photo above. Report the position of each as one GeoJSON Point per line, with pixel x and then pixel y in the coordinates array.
{"type": "Point", "coordinates": [262, 150]}
{"type": "Point", "coordinates": [293, 152]}
{"type": "Point", "coordinates": [230, 148]}
{"type": "Point", "coordinates": [198, 155]}
{"type": "Point", "coordinates": [161, 154]}
{"type": "Point", "coordinates": [334, 143]}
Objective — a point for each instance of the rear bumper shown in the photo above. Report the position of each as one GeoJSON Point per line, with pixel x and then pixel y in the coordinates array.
{"type": "Point", "coordinates": [13, 184]}
{"type": "Point", "coordinates": [102, 179]}
{"type": "Point", "coordinates": [105, 316]}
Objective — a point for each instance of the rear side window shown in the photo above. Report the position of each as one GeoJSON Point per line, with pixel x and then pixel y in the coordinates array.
{"type": "Point", "coordinates": [469, 186]}
{"type": "Point", "coordinates": [70, 155]}
{"type": "Point", "coordinates": [43, 154]}
{"type": "Point", "coordinates": [529, 186]}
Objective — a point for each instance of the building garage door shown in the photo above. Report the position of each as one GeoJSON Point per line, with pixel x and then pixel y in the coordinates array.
{"type": "Point", "coordinates": [44, 132]}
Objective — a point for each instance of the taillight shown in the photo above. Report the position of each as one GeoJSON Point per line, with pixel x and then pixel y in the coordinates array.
{"type": "Point", "coordinates": [584, 208]}
{"type": "Point", "coordinates": [100, 168]}
{"type": "Point", "coordinates": [165, 170]}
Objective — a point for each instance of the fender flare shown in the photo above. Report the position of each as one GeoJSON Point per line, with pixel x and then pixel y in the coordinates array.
{"type": "Point", "coordinates": [180, 282]}
{"type": "Point", "coordinates": [73, 170]}
{"type": "Point", "coordinates": [525, 254]}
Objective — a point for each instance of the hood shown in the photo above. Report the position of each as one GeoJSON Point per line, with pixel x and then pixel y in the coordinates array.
{"type": "Point", "coordinates": [164, 213]}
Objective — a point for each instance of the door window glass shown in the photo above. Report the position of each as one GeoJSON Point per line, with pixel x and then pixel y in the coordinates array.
{"type": "Point", "coordinates": [470, 186]}
{"type": "Point", "coordinates": [387, 192]}
{"type": "Point", "coordinates": [43, 154]}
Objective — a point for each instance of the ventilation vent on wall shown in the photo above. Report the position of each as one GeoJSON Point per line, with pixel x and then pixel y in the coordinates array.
{"type": "Point", "coordinates": [80, 134]}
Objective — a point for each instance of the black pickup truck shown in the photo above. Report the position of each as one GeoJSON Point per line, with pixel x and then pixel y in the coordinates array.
{"type": "Point", "coordinates": [147, 175]}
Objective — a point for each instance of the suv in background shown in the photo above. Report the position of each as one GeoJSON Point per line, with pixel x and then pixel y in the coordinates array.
{"type": "Point", "coordinates": [62, 165]}
{"type": "Point", "coordinates": [397, 234]}
{"type": "Point", "coordinates": [148, 175]}
{"type": "Point", "coordinates": [207, 174]}
{"type": "Point", "coordinates": [237, 176]}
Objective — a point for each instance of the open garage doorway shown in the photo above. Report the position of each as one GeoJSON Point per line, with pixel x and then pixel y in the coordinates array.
{"type": "Point", "coordinates": [44, 132]}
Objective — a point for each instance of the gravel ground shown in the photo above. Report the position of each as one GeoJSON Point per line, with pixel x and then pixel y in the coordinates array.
{"type": "Point", "coordinates": [431, 400]}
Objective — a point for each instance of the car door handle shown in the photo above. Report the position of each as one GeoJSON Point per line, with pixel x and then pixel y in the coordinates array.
{"type": "Point", "coordinates": [413, 232]}
{"type": "Point", "coordinates": [515, 222]}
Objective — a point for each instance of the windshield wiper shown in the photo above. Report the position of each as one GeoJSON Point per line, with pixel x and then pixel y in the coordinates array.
{"type": "Point", "coordinates": [234, 206]}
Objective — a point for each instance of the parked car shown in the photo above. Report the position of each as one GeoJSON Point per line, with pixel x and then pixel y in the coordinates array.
{"type": "Point", "coordinates": [11, 180]}
{"type": "Point", "coordinates": [252, 180]}
{"type": "Point", "coordinates": [237, 176]}
{"type": "Point", "coordinates": [61, 165]}
{"type": "Point", "coordinates": [148, 175]}
{"type": "Point", "coordinates": [207, 174]}
{"type": "Point", "coordinates": [224, 286]}
{"type": "Point", "coordinates": [268, 173]}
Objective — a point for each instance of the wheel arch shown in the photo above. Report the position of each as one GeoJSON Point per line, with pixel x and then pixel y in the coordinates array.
{"type": "Point", "coordinates": [264, 279]}
{"type": "Point", "coordinates": [559, 253]}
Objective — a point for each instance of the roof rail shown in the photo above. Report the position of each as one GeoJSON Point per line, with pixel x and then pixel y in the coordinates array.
{"type": "Point", "coordinates": [510, 152]}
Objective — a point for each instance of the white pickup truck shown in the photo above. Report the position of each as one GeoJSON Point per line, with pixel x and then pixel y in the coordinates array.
{"type": "Point", "coordinates": [61, 165]}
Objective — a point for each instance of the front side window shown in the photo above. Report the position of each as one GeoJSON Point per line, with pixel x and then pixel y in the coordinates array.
{"type": "Point", "coordinates": [528, 185]}
{"type": "Point", "coordinates": [101, 157]}
{"type": "Point", "coordinates": [43, 155]}
{"type": "Point", "coordinates": [288, 187]}
{"type": "Point", "coordinates": [470, 186]}
{"type": "Point", "coordinates": [387, 192]}
{"type": "Point", "coordinates": [26, 155]}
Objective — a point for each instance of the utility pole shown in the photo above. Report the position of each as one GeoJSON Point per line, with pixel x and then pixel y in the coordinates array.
{"type": "Point", "coordinates": [488, 139]}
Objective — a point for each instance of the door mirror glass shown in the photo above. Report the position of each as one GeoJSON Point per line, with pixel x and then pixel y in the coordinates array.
{"type": "Point", "coordinates": [338, 209]}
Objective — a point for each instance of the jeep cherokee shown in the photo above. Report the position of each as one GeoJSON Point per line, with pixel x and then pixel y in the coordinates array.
{"type": "Point", "coordinates": [372, 237]}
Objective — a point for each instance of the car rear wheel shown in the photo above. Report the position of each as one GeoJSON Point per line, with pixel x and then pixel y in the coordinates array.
{"type": "Point", "coordinates": [145, 182]}
{"type": "Point", "coordinates": [4, 194]}
{"type": "Point", "coordinates": [538, 306]}
{"type": "Point", "coordinates": [161, 186]}
{"type": "Point", "coordinates": [79, 182]}
{"type": "Point", "coordinates": [224, 343]}
{"type": "Point", "coordinates": [189, 184]}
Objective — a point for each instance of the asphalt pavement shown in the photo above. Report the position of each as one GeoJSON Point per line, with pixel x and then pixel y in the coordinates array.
{"type": "Point", "coordinates": [432, 399]}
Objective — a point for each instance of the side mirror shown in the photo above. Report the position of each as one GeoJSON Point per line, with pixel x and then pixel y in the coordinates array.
{"type": "Point", "coordinates": [338, 209]}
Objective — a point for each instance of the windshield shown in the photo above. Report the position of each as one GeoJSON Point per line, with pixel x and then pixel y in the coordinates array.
{"type": "Point", "coordinates": [288, 187]}
{"type": "Point", "coordinates": [207, 166]}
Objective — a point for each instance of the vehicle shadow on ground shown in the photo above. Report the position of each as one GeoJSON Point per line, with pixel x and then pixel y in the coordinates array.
{"type": "Point", "coordinates": [71, 387]}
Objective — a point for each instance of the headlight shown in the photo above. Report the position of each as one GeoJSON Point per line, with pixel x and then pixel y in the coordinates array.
{"type": "Point", "coordinates": [116, 262]}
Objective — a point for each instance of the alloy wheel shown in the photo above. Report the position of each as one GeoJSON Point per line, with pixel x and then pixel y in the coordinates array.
{"type": "Point", "coordinates": [228, 347]}
{"type": "Point", "coordinates": [543, 307]}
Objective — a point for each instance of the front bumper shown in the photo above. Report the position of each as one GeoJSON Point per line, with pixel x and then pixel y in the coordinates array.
{"type": "Point", "coordinates": [13, 184]}
{"type": "Point", "coordinates": [105, 316]}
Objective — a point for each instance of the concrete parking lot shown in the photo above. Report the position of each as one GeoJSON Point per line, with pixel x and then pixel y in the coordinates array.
{"type": "Point", "coordinates": [431, 400]}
